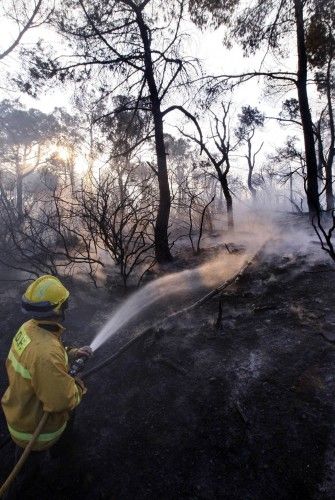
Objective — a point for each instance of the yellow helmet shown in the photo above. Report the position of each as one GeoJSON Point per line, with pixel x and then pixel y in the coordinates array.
{"type": "Point", "coordinates": [46, 296]}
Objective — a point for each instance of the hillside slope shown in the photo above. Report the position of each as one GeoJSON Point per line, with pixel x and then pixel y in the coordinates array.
{"type": "Point", "coordinates": [241, 411]}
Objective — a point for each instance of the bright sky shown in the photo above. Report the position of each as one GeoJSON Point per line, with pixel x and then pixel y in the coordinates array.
{"type": "Point", "coordinates": [215, 59]}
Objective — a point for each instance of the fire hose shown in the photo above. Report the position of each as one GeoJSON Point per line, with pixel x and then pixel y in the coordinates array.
{"type": "Point", "coordinates": [79, 363]}
{"type": "Point", "coordinates": [24, 456]}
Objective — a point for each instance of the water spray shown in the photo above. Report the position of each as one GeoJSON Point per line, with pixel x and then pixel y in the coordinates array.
{"type": "Point", "coordinates": [206, 276]}
{"type": "Point", "coordinates": [164, 322]}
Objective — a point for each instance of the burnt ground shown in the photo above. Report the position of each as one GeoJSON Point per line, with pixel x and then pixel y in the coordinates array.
{"type": "Point", "coordinates": [243, 411]}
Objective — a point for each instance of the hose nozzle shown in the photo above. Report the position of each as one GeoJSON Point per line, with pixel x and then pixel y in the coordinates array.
{"type": "Point", "coordinates": [77, 366]}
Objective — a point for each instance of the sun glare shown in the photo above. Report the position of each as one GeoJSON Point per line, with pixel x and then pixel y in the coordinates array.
{"type": "Point", "coordinates": [62, 153]}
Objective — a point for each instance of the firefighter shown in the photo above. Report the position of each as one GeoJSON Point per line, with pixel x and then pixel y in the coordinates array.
{"type": "Point", "coordinates": [37, 367]}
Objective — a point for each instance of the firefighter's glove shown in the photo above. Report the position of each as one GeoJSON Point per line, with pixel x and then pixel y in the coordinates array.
{"type": "Point", "coordinates": [81, 384]}
{"type": "Point", "coordinates": [84, 352]}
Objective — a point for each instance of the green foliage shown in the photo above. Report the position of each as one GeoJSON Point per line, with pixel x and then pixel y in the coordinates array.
{"type": "Point", "coordinates": [24, 127]}
{"type": "Point", "coordinates": [264, 22]}
{"type": "Point", "coordinates": [267, 22]}
{"type": "Point", "coordinates": [211, 12]}
{"type": "Point", "coordinates": [125, 126]}
{"type": "Point", "coordinates": [177, 147]}
{"type": "Point", "coordinates": [250, 118]}
{"type": "Point", "coordinates": [38, 67]}
{"type": "Point", "coordinates": [290, 109]}
{"type": "Point", "coordinates": [252, 23]}
{"type": "Point", "coordinates": [320, 35]}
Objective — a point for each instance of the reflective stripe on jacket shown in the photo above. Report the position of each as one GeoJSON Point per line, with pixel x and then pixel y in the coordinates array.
{"type": "Point", "coordinates": [37, 368]}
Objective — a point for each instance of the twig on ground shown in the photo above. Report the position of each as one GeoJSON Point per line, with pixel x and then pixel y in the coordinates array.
{"type": "Point", "coordinates": [171, 364]}
{"type": "Point", "coordinates": [240, 412]}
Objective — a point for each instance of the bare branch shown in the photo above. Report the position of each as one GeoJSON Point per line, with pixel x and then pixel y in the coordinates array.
{"type": "Point", "coordinates": [27, 26]}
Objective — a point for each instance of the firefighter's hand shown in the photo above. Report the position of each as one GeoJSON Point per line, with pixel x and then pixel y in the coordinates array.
{"type": "Point", "coordinates": [81, 384]}
{"type": "Point", "coordinates": [84, 352]}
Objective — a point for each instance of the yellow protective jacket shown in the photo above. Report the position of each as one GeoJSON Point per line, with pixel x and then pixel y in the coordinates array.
{"type": "Point", "coordinates": [37, 367]}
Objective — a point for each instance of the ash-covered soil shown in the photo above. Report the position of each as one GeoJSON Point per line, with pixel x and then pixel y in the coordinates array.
{"type": "Point", "coordinates": [244, 410]}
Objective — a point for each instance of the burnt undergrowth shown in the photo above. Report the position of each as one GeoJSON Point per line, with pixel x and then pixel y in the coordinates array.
{"type": "Point", "coordinates": [196, 411]}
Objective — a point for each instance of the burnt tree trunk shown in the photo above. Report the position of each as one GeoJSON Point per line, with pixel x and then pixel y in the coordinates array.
{"type": "Point", "coordinates": [162, 249]}
{"type": "Point", "coordinates": [291, 187]}
{"type": "Point", "coordinates": [320, 153]}
{"type": "Point", "coordinates": [19, 182]}
{"type": "Point", "coordinates": [330, 158]}
{"type": "Point", "coordinates": [250, 186]}
{"type": "Point", "coordinates": [228, 198]}
{"type": "Point", "coordinates": [250, 170]}
{"type": "Point", "coordinates": [306, 119]}
{"type": "Point", "coordinates": [19, 196]}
